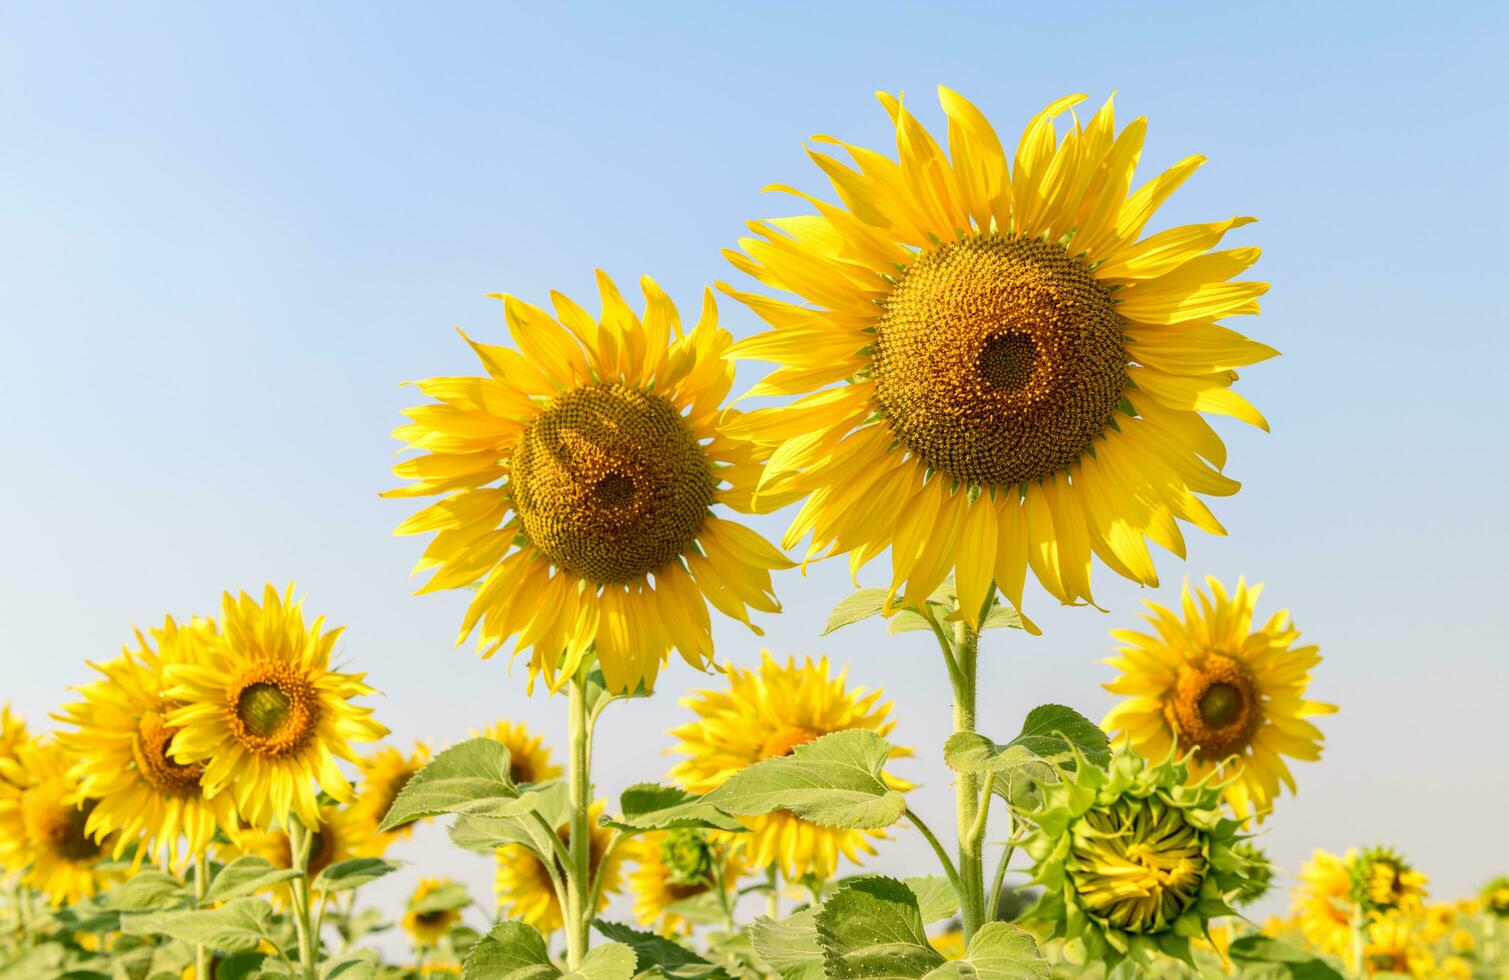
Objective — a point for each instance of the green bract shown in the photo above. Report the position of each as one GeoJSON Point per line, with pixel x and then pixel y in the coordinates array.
{"type": "Point", "coordinates": [1133, 860]}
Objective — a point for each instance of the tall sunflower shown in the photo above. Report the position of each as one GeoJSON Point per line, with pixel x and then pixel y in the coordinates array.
{"type": "Point", "coordinates": [1323, 902]}
{"type": "Point", "coordinates": [42, 825]}
{"type": "Point", "coordinates": [122, 739]}
{"type": "Point", "coordinates": [523, 884]}
{"type": "Point", "coordinates": [264, 712]}
{"type": "Point", "coordinates": [384, 774]}
{"type": "Point", "coordinates": [998, 371]}
{"type": "Point", "coordinates": [578, 482]}
{"type": "Point", "coordinates": [766, 713]}
{"type": "Point", "coordinates": [528, 755]}
{"type": "Point", "coordinates": [676, 866]}
{"type": "Point", "coordinates": [1212, 683]}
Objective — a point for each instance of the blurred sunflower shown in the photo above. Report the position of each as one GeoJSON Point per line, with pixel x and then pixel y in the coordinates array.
{"type": "Point", "coordinates": [340, 834]}
{"type": "Point", "coordinates": [1383, 881]}
{"type": "Point", "coordinates": [528, 755]}
{"type": "Point", "coordinates": [1211, 682]}
{"type": "Point", "coordinates": [426, 921]}
{"type": "Point", "coordinates": [143, 795]}
{"type": "Point", "coordinates": [12, 735]}
{"type": "Point", "coordinates": [579, 480]}
{"type": "Point", "coordinates": [998, 371]}
{"type": "Point", "coordinates": [1394, 947]}
{"type": "Point", "coordinates": [768, 713]}
{"type": "Point", "coordinates": [42, 825]}
{"type": "Point", "coordinates": [265, 714]}
{"type": "Point", "coordinates": [676, 866]}
{"type": "Point", "coordinates": [384, 774]}
{"type": "Point", "coordinates": [523, 884]}
{"type": "Point", "coordinates": [1323, 902]}
{"type": "Point", "coordinates": [1495, 896]}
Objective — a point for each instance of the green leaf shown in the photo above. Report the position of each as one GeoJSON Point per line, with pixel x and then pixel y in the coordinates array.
{"type": "Point", "coordinates": [39, 962]}
{"type": "Point", "coordinates": [598, 696]}
{"type": "Point", "coordinates": [650, 806]}
{"type": "Point", "coordinates": [1002, 616]}
{"type": "Point", "coordinates": [871, 928]}
{"type": "Point", "coordinates": [610, 961]}
{"type": "Point", "coordinates": [511, 951]}
{"type": "Point", "coordinates": [999, 951]}
{"type": "Point", "coordinates": [834, 781]}
{"type": "Point", "coordinates": [1046, 743]}
{"type": "Point", "coordinates": [861, 605]}
{"type": "Point", "coordinates": [451, 895]}
{"type": "Point", "coordinates": [790, 946]}
{"type": "Point", "coordinates": [661, 956]}
{"type": "Point", "coordinates": [352, 874]}
{"type": "Point", "coordinates": [147, 890]}
{"type": "Point", "coordinates": [471, 778]}
{"type": "Point", "coordinates": [245, 876]}
{"type": "Point", "coordinates": [359, 966]}
{"type": "Point", "coordinates": [235, 928]}
{"type": "Point", "coordinates": [936, 898]}
{"type": "Point", "coordinates": [907, 621]}
{"type": "Point", "coordinates": [241, 966]}
{"type": "Point", "coordinates": [1281, 959]}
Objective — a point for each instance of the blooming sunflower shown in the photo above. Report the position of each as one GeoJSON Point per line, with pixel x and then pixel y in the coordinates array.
{"type": "Point", "coordinates": [523, 884]}
{"type": "Point", "coordinates": [341, 833]}
{"type": "Point", "coordinates": [42, 825]}
{"type": "Point", "coordinates": [768, 713]}
{"type": "Point", "coordinates": [1212, 683]}
{"type": "Point", "coordinates": [265, 714]}
{"type": "Point", "coordinates": [384, 774]}
{"type": "Point", "coordinates": [528, 755]}
{"type": "Point", "coordinates": [1323, 902]}
{"type": "Point", "coordinates": [12, 734]}
{"type": "Point", "coordinates": [121, 743]}
{"type": "Point", "coordinates": [1383, 881]}
{"type": "Point", "coordinates": [998, 371]}
{"type": "Point", "coordinates": [578, 483]}
{"type": "Point", "coordinates": [676, 866]}
{"type": "Point", "coordinates": [428, 921]}
{"type": "Point", "coordinates": [1394, 947]}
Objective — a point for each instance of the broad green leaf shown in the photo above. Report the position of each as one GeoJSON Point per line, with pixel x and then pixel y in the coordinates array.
{"type": "Point", "coordinates": [41, 961]}
{"type": "Point", "coordinates": [486, 834]}
{"type": "Point", "coordinates": [245, 875]}
{"type": "Point", "coordinates": [511, 951]}
{"type": "Point", "coordinates": [650, 806]}
{"type": "Point", "coordinates": [1034, 756]}
{"type": "Point", "coordinates": [360, 966]}
{"type": "Point", "coordinates": [471, 778]}
{"type": "Point", "coordinates": [1280, 959]}
{"type": "Point", "coordinates": [451, 895]}
{"type": "Point", "coordinates": [235, 928]}
{"type": "Point", "coordinates": [240, 966]}
{"type": "Point", "coordinates": [872, 928]}
{"type": "Point", "coordinates": [169, 960]}
{"type": "Point", "coordinates": [661, 956]}
{"type": "Point", "coordinates": [789, 946]}
{"type": "Point", "coordinates": [147, 890]}
{"type": "Point", "coordinates": [907, 621]}
{"type": "Point", "coordinates": [834, 781]}
{"type": "Point", "coordinates": [861, 605]}
{"type": "Point", "coordinates": [352, 874]}
{"type": "Point", "coordinates": [936, 898]}
{"type": "Point", "coordinates": [999, 951]}
{"type": "Point", "coordinates": [610, 961]}
{"type": "Point", "coordinates": [1002, 616]}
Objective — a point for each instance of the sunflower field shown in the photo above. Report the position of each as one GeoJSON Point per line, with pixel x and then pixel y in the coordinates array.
{"type": "Point", "coordinates": [986, 374]}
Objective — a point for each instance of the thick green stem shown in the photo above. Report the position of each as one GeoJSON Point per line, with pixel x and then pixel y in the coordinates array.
{"type": "Point", "coordinates": [300, 839]}
{"type": "Point", "coordinates": [201, 889]}
{"type": "Point", "coordinates": [579, 875]}
{"type": "Point", "coordinates": [1359, 968]}
{"type": "Point", "coordinates": [971, 865]}
{"type": "Point", "coordinates": [773, 897]}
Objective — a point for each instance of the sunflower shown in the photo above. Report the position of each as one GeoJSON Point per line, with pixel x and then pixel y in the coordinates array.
{"type": "Point", "coordinates": [676, 866]}
{"type": "Point", "coordinates": [1212, 683]}
{"type": "Point", "coordinates": [768, 713]}
{"type": "Point", "coordinates": [578, 483]}
{"type": "Point", "coordinates": [1383, 881]}
{"type": "Point", "coordinates": [523, 884]}
{"type": "Point", "coordinates": [998, 371]}
{"type": "Point", "coordinates": [384, 774]}
{"type": "Point", "coordinates": [425, 922]}
{"type": "Point", "coordinates": [1495, 896]}
{"type": "Point", "coordinates": [265, 714]}
{"type": "Point", "coordinates": [1323, 902]}
{"type": "Point", "coordinates": [12, 736]}
{"type": "Point", "coordinates": [1394, 947]}
{"type": "Point", "coordinates": [528, 755]}
{"type": "Point", "coordinates": [142, 794]}
{"type": "Point", "coordinates": [42, 825]}
{"type": "Point", "coordinates": [340, 833]}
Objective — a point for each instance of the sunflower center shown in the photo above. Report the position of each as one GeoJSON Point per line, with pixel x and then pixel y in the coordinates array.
{"type": "Point", "coordinates": [1214, 707]}
{"type": "Point", "coordinates": [58, 826]}
{"type": "Point", "coordinates": [433, 918]}
{"type": "Point", "coordinates": [1137, 864]}
{"type": "Point", "coordinates": [273, 709]}
{"type": "Point", "coordinates": [998, 360]}
{"type": "Point", "coordinates": [610, 483]}
{"type": "Point", "coordinates": [156, 766]}
{"type": "Point", "coordinates": [785, 741]}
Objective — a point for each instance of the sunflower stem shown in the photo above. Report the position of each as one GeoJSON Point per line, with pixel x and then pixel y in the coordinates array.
{"type": "Point", "coordinates": [993, 898]}
{"type": "Point", "coordinates": [201, 889]}
{"type": "Point", "coordinates": [964, 658]}
{"type": "Point", "coordinates": [1359, 968]}
{"type": "Point", "coordinates": [938, 849]}
{"type": "Point", "coordinates": [300, 840]}
{"type": "Point", "coordinates": [578, 875]}
{"type": "Point", "coordinates": [773, 897]}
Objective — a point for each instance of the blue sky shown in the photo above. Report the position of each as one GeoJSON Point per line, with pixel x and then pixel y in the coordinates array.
{"type": "Point", "coordinates": [227, 235]}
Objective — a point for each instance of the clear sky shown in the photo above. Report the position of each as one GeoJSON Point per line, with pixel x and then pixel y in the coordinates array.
{"type": "Point", "coordinates": [228, 233]}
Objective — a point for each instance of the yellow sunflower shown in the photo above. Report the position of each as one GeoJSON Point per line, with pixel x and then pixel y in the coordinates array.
{"type": "Point", "coordinates": [1394, 947]}
{"type": "Point", "coordinates": [12, 735]}
{"type": "Point", "coordinates": [528, 755]}
{"type": "Point", "coordinates": [675, 866]}
{"type": "Point", "coordinates": [998, 371]}
{"type": "Point", "coordinates": [143, 795]}
{"type": "Point", "coordinates": [768, 713]}
{"type": "Point", "coordinates": [264, 712]}
{"type": "Point", "coordinates": [1212, 683]}
{"type": "Point", "coordinates": [578, 483]}
{"type": "Point", "coordinates": [339, 834]}
{"type": "Point", "coordinates": [1387, 882]}
{"type": "Point", "coordinates": [384, 774]}
{"type": "Point", "coordinates": [42, 825]}
{"type": "Point", "coordinates": [523, 883]}
{"type": "Point", "coordinates": [1323, 902]}
{"type": "Point", "coordinates": [427, 926]}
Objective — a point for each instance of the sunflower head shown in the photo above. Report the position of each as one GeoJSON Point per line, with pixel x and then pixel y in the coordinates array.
{"type": "Point", "coordinates": [12, 737]}
{"type": "Point", "coordinates": [1383, 881]}
{"type": "Point", "coordinates": [1495, 897]}
{"type": "Point", "coordinates": [580, 482]}
{"type": "Point", "coordinates": [428, 920]}
{"type": "Point", "coordinates": [766, 713]}
{"type": "Point", "coordinates": [528, 755]}
{"type": "Point", "coordinates": [341, 833]}
{"type": "Point", "coordinates": [1134, 859]}
{"type": "Point", "coordinates": [1323, 905]}
{"type": "Point", "coordinates": [1394, 947]}
{"type": "Point", "coordinates": [523, 883]}
{"type": "Point", "coordinates": [1258, 872]}
{"type": "Point", "coordinates": [998, 370]}
{"type": "Point", "coordinates": [260, 707]}
{"type": "Point", "coordinates": [384, 774]}
{"type": "Point", "coordinates": [44, 824]}
{"type": "Point", "coordinates": [676, 866]}
{"type": "Point", "coordinates": [1212, 682]}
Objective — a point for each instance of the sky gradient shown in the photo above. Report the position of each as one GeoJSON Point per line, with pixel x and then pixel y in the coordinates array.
{"type": "Point", "coordinates": [227, 235]}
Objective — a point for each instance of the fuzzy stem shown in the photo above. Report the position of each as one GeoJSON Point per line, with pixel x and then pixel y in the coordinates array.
{"type": "Point", "coordinates": [773, 897]}
{"type": "Point", "coordinates": [201, 889]}
{"type": "Point", "coordinates": [1359, 968]}
{"type": "Point", "coordinates": [971, 869]}
{"type": "Point", "coordinates": [579, 840]}
{"type": "Point", "coordinates": [300, 840]}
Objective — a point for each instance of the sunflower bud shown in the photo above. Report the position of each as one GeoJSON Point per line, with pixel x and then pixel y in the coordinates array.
{"type": "Point", "coordinates": [688, 856]}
